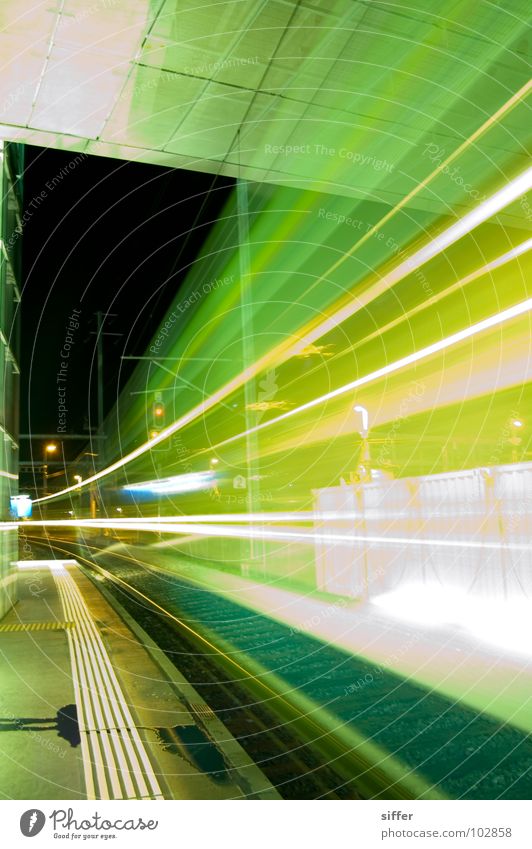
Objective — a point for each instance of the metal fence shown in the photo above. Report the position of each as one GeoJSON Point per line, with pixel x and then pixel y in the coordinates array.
{"type": "Point", "coordinates": [469, 530]}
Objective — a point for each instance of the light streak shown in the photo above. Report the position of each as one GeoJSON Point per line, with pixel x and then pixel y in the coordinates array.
{"type": "Point", "coordinates": [174, 485]}
{"type": "Point", "coordinates": [434, 605]}
{"type": "Point", "coordinates": [283, 350]}
{"type": "Point", "coordinates": [490, 122]}
{"type": "Point", "coordinates": [365, 417]}
{"type": "Point", "coordinates": [391, 368]}
{"type": "Point", "coordinates": [303, 535]}
{"type": "Point", "coordinates": [502, 198]}
{"type": "Point", "coordinates": [493, 265]}
{"type": "Point", "coordinates": [299, 516]}
{"type": "Point", "coordinates": [486, 210]}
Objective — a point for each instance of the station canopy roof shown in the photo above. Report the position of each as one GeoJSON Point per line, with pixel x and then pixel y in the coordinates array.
{"type": "Point", "coordinates": [342, 96]}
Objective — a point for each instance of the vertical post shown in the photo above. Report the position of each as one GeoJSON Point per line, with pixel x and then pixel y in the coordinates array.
{"type": "Point", "coordinates": [364, 477]}
{"type": "Point", "coordinates": [92, 496]}
{"type": "Point", "coordinates": [255, 548]}
{"type": "Point", "coordinates": [99, 350]}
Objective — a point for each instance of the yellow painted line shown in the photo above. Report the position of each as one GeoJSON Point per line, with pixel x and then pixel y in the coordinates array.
{"type": "Point", "coordinates": [37, 626]}
{"type": "Point", "coordinates": [98, 689]}
{"type": "Point", "coordinates": [104, 760]}
{"type": "Point", "coordinates": [304, 712]}
{"type": "Point", "coordinates": [103, 705]}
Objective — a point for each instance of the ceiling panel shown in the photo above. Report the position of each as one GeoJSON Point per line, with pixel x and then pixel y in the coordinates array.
{"type": "Point", "coordinates": [212, 123]}
{"type": "Point", "coordinates": [21, 64]}
{"type": "Point", "coordinates": [34, 21]}
{"type": "Point", "coordinates": [359, 89]}
{"type": "Point", "coordinates": [234, 48]}
{"type": "Point", "coordinates": [150, 108]}
{"type": "Point", "coordinates": [75, 96]}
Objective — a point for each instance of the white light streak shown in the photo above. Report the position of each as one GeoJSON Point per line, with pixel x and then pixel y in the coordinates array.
{"type": "Point", "coordinates": [513, 190]}
{"type": "Point", "coordinates": [391, 368]}
{"type": "Point", "coordinates": [304, 535]}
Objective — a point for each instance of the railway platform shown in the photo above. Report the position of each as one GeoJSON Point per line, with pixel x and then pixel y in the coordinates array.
{"type": "Point", "coordinates": [91, 709]}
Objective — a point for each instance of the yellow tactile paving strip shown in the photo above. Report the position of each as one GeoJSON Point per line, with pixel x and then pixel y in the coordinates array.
{"type": "Point", "coordinates": [37, 626]}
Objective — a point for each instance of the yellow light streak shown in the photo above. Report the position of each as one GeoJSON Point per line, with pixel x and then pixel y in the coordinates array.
{"type": "Point", "coordinates": [308, 535]}
{"type": "Point", "coordinates": [391, 368]}
{"type": "Point", "coordinates": [494, 264]}
{"type": "Point", "coordinates": [486, 210]}
{"type": "Point", "coordinates": [483, 212]}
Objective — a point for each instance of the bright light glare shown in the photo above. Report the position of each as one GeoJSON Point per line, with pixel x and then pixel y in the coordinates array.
{"type": "Point", "coordinates": [303, 535]}
{"type": "Point", "coordinates": [410, 359]}
{"type": "Point", "coordinates": [424, 604]}
{"type": "Point", "coordinates": [365, 416]}
{"type": "Point", "coordinates": [21, 506]}
{"type": "Point", "coordinates": [506, 624]}
{"type": "Point", "coordinates": [491, 206]}
{"type": "Point", "coordinates": [505, 196]}
{"type": "Point", "coordinates": [179, 483]}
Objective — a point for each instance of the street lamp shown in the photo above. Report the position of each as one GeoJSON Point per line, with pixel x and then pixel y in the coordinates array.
{"type": "Point", "coordinates": [365, 419]}
{"type": "Point", "coordinates": [364, 469]}
{"type": "Point", "coordinates": [79, 481]}
{"type": "Point", "coordinates": [515, 440]}
{"type": "Point", "coordinates": [48, 448]}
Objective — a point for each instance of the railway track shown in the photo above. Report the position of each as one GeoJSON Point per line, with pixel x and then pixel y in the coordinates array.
{"type": "Point", "coordinates": [294, 769]}
{"type": "Point", "coordinates": [265, 685]}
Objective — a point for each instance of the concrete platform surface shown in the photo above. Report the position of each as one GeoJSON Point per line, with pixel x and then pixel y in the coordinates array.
{"type": "Point", "coordinates": [89, 708]}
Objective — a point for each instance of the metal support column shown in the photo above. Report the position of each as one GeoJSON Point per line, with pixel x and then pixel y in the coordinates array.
{"type": "Point", "coordinates": [253, 552]}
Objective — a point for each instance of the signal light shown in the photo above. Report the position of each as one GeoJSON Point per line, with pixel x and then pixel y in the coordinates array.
{"type": "Point", "coordinates": [156, 422]}
{"type": "Point", "coordinates": [158, 414]}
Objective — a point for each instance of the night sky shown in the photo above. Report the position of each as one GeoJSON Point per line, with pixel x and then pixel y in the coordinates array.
{"type": "Point", "coordinates": [100, 235]}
